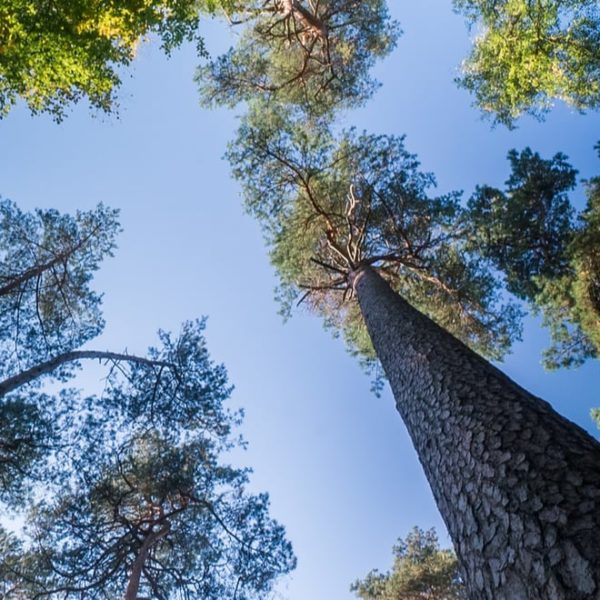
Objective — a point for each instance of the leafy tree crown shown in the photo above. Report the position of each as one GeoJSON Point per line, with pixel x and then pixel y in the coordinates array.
{"type": "Point", "coordinates": [330, 204]}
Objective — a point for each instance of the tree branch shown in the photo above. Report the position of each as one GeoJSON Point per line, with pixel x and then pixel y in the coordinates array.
{"type": "Point", "coordinates": [37, 270]}
{"type": "Point", "coordinates": [16, 381]}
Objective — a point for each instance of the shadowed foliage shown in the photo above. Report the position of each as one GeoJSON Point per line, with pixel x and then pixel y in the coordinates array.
{"type": "Point", "coordinates": [142, 504]}
{"type": "Point", "coordinates": [47, 263]}
{"type": "Point", "coordinates": [549, 256]}
{"type": "Point", "coordinates": [126, 491]}
{"type": "Point", "coordinates": [47, 309]}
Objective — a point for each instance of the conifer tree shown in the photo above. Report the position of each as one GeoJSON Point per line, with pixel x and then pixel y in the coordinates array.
{"type": "Point", "coordinates": [48, 310]}
{"type": "Point", "coordinates": [421, 571]}
{"type": "Point", "coordinates": [549, 256]}
{"type": "Point", "coordinates": [317, 54]}
{"type": "Point", "coordinates": [141, 503]}
{"type": "Point", "coordinates": [356, 235]}
{"type": "Point", "coordinates": [350, 224]}
{"type": "Point", "coordinates": [329, 204]}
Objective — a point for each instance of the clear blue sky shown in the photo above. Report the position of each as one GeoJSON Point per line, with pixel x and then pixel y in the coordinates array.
{"type": "Point", "coordinates": [337, 461]}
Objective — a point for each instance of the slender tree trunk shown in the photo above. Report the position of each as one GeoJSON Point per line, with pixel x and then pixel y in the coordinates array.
{"type": "Point", "coordinates": [133, 585]}
{"type": "Point", "coordinates": [517, 485]}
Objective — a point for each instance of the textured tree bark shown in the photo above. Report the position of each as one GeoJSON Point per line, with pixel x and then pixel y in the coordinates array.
{"type": "Point", "coordinates": [517, 485]}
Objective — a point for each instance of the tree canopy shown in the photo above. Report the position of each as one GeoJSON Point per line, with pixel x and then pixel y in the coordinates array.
{"type": "Point", "coordinates": [55, 53]}
{"type": "Point", "coordinates": [47, 310]}
{"type": "Point", "coordinates": [528, 54]}
{"type": "Point", "coordinates": [328, 204]}
{"type": "Point", "coordinates": [421, 571]}
{"type": "Point", "coordinates": [136, 495]}
{"type": "Point", "coordinates": [313, 53]}
{"type": "Point", "coordinates": [47, 263]}
{"type": "Point", "coordinates": [548, 255]}
{"type": "Point", "coordinates": [140, 501]}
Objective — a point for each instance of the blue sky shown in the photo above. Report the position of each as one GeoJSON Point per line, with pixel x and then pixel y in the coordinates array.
{"type": "Point", "coordinates": [337, 461]}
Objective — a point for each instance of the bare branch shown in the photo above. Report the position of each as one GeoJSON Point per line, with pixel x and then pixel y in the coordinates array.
{"type": "Point", "coordinates": [327, 266]}
{"type": "Point", "coordinates": [12, 383]}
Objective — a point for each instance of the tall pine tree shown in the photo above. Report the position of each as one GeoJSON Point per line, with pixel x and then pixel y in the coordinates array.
{"type": "Point", "coordinates": [354, 233]}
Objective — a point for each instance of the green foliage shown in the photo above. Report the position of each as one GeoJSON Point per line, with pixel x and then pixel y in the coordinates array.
{"type": "Point", "coordinates": [421, 571]}
{"type": "Point", "coordinates": [27, 432]}
{"type": "Point", "coordinates": [548, 258]}
{"type": "Point", "coordinates": [55, 53]}
{"type": "Point", "coordinates": [143, 482]}
{"type": "Point", "coordinates": [132, 477]}
{"type": "Point", "coordinates": [585, 259]}
{"type": "Point", "coordinates": [10, 553]}
{"type": "Point", "coordinates": [528, 54]}
{"type": "Point", "coordinates": [328, 205]}
{"type": "Point", "coordinates": [47, 307]}
{"type": "Point", "coordinates": [315, 54]}
{"type": "Point", "coordinates": [526, 229]}
{"type": "Point", "coordinates": [47, 261]}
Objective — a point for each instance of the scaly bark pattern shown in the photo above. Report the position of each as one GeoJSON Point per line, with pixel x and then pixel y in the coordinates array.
{"type": "Point", "coordinates": [517, 484]}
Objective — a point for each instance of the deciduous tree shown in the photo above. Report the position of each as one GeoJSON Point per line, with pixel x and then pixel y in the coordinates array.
{"type": "Point", "coordinates": [528, 54]}
{"type": "Point", "coordinates": [55, 53]}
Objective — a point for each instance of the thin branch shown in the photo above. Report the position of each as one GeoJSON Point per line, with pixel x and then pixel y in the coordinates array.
{"type": "Point", "coordinates": [328, 266]}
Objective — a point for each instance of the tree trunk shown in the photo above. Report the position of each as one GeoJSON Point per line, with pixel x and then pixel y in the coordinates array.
{"type": "Point", "coordinates": [133, 585]}
{"type": "Point", "coordinates": [517, 485]}
{"type": "Point", "coordinates": [309, 22]}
